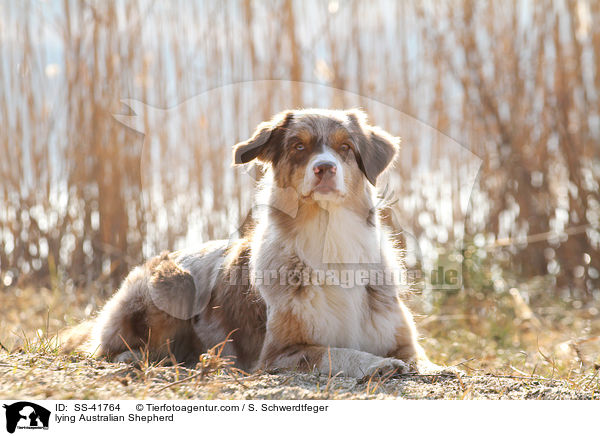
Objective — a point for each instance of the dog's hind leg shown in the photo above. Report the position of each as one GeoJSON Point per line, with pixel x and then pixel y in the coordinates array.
{"type": "Point", "coordinates": [150, 314]}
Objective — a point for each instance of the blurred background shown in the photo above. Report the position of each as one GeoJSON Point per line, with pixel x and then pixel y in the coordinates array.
{"type": "Point", "coordinates": [497, 104]}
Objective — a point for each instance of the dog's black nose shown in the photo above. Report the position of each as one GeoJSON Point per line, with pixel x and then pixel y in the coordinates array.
{"type": "Point", "coordinates": [323, 168]}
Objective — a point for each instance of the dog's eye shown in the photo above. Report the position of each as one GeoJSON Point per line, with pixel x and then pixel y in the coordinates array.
{"type": "Point", "coordinates": [344, 147]}
{"type": "Point", "coordinates": [299, 146]}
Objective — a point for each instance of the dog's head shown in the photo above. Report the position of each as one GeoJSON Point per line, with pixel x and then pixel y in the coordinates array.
{"type": "Point", "coordinates": [324, 155]}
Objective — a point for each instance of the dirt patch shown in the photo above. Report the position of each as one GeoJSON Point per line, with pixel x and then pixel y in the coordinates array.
{"type": "Point", "coordinates": [73, 377]}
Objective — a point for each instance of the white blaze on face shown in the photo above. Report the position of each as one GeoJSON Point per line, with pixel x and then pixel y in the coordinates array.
{"type": "Point", "coordinates": [312, 184]}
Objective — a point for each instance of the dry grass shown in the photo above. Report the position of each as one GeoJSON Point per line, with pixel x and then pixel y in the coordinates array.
{"type": "Point", "coordinates": [552, 356]}
{"type": "Point", "coordinates": [81, 203]}
{"type": "Point", "coordinates": [36, 375]}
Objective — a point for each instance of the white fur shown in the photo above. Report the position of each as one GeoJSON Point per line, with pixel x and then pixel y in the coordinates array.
{"type": "Point", "coordinates": [360, 364]}
{"type": "Point", "coordinates": [338, 235]}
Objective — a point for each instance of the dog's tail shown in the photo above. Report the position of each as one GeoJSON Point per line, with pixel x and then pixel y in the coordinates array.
{"type": "Point", "coordinates": [77, 338]}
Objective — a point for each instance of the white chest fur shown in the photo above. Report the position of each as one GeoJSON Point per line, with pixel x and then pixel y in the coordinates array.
{"type": "Point", "coordinates": [336, 315]}
{"type": "Point", "coordinates": [338, 236]}
{"type": "Point", "coordinates": [341, 317]}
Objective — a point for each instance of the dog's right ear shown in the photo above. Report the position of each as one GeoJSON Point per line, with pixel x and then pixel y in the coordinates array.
{"type": "Point", "coordinates": [263, 143]}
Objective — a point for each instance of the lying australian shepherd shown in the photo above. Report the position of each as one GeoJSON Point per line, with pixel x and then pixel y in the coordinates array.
{"type": "Point", "coordinates": [276, 292]}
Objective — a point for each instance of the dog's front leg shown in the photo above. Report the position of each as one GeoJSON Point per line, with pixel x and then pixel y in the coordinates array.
{"type": "Point", "coordinates": [329, 360]}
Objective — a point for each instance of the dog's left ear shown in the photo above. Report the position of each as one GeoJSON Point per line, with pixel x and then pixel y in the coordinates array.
{"type": "Point", "coordinates": [263, 143]}
{"type": "Point", "coordinates": [376, 147]}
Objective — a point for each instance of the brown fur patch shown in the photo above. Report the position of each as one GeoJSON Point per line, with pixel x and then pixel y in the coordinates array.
{"type": "Point", "coordinates": [288, 329]}
{"type": "Point", "coordinates": [338, 136]}
{"type": "Point", "coordinates": [238, 307]}
{"type": "Point", "coordinates": [305, 136]}
{"type": "Point", "coordinates": [289, 345]}
{"type": "Point", "coordinates": [406, 348]}
{"type": "Point", "coordinates": [153, 262]}
{"type": "Point", "coordinates": [169, 276]}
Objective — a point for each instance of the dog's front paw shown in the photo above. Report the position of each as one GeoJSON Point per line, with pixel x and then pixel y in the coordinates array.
{"type": "Point", "coordinates": [387, 366]}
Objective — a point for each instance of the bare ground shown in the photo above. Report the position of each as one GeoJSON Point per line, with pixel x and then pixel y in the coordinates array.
{"type": "Point", "coordinates": [75, 377]}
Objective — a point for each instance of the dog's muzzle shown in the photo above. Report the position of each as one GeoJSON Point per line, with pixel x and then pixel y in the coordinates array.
{"type": "Point", "coordinates": [324, 177]}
